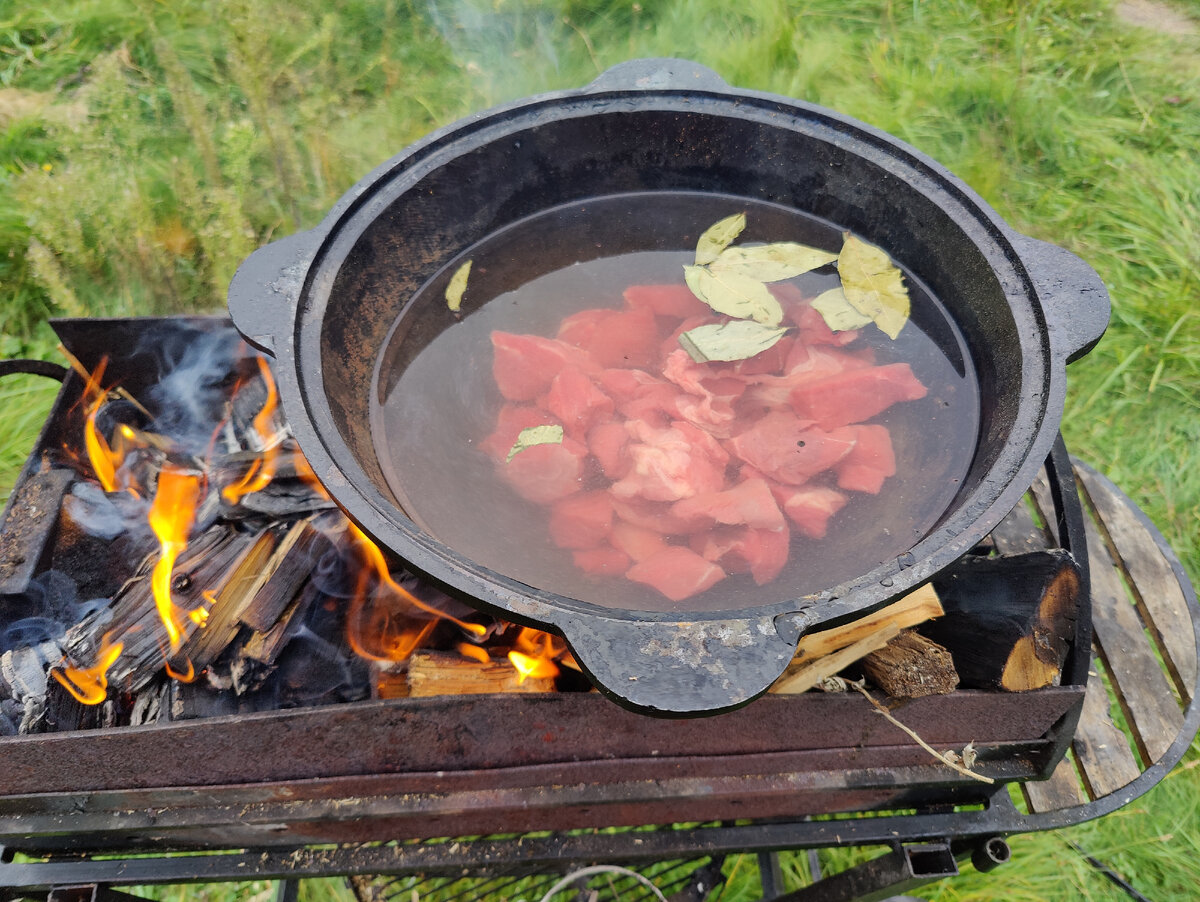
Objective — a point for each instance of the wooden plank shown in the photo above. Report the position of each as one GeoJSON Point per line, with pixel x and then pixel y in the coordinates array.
{"type": "Point", "coordinates": [1043, 503]}
{"type": "Point", "coordinates": [1018, 532]}
{"type": "Point", "coordinates": [1155, 586]}
{"type": "Point", "coordinates": [1138, 679]}
{"type": "Point", "coordinates": [1060, 790]}
{"type": "Point", "coordinates": [1100, 748]}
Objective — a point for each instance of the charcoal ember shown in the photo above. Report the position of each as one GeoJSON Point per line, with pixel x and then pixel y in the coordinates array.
{"type": "Point", "coordinates": [24, 669]}
{"type": "Point", "coordinates": [152, 705]}
{"type": "Point", "coordinates": [282, 499]}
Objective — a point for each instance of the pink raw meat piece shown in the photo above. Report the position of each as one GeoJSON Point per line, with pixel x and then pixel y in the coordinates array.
{"type": "Point", "coordinates": [804, 364]}
{"type": "Point", "coordinates": [666, 300]}
{"type": "Point", "coordinates": [749, 503]}
{"type": "Point", "coordinates": [676, 572]}
{"type": "Point", "coordinates": [625, 384]}
{"type": "Point", "coordinates": [602, 561]}
{"type": "Point", "coordinates": [614, 338]}
{"type": "Point", "coordinates": [608, 443]}
{"type": "Point", "coordinates": [582, 521]}
{"type": "Point", "coordinates": [709, 393]}
{"type": "Point", "coordinates": [870, 463]}
{"type": "Point", "coordinates": [790, 450]}
{"type": "Point", "coordinates": [546, 473]}
{"type": "Point", "coordinates": [655, 515]}
{"type": "Point", "coordinates": [671, 463]}
{"type": "Point", "coordinates": [762, 553]}
{"type": "Point", "coordinates": [809, 507]}
{"type": "Point", "coordinates": [671, 343]}
{"type": "Point", "coordinates": [856, 395]}
{"type": "Point", "coordinates": [577, 402]}
{"type": "Point", "coordinates": [656, 404]}
{"type": "Point", "coordinates": [525, 365]}
{"type": "Point", "coordinates": [637, 541]}
{"type": "Point", "coordinates": [513, 418]}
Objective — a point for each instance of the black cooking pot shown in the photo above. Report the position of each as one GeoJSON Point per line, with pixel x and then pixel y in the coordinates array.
{"type": "Point", "coordinates": [323, 303]}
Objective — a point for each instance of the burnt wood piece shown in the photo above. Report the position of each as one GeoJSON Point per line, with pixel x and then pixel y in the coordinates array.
{"type": "Point", "coordinates": [264, 646]}
{"type": "Point", "coordinates": [447, 673]}
{"type": "Point", "coordinates": [133, 618]}
{"type": "Point", "coordinates": [1009, 619]}
{"type": "Point", "coordinates": [283, 574]}
{"type": "Point", "coordinates": [28, 528]}
{"type": "Point", "coordinates": [1155, 590]}
{"type": "Point", "coordinates": [911, 666]}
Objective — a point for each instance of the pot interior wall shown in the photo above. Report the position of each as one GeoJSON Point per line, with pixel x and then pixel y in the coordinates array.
{"type": "Point", "coordinates": [426, 219]}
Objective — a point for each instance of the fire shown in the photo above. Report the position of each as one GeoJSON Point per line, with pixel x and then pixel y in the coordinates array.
{"type": "Point", "coordinates": [534, 654]}
{"type": "Point", "coordinates": [467, 650]}
{"type": "Point", "coordinates": [263, 469]}
{"type": "Point", "coordinates": [90, 684]}
{"type": "Point", "coordinates": [170, 518]}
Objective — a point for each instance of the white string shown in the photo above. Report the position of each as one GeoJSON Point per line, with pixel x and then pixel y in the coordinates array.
{"type": "Point", "coordinates": [602, 869]}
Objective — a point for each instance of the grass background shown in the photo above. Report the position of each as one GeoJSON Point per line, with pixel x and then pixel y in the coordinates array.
{"type": "Point", "coordinates": [147, 147]}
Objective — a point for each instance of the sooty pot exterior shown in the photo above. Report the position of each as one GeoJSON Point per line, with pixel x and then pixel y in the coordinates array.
{"type": "Point", "coordinates": [322, 303]}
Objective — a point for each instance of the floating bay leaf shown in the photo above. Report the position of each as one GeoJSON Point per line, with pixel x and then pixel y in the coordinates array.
{"type": "Point", "coordinates": [737, 340]}
{"type": "Point", "coordinates": [771, 262]}
{"type": "Point", "coordinates": [839, 314]}
{"type": "Point", "coordinates": [535, 435]}
{"type": "Point", "coordinates": [734, 295]}
{"type": "Point", "coordinates": [718, 236]}
{"type": "Point", "coordinates": [458, 284]}
{"type": "Point", "coordinates": [873, 284]}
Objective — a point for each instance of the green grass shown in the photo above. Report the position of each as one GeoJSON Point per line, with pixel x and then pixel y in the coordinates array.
{"type": "Point", "coordinates": [147, 147]}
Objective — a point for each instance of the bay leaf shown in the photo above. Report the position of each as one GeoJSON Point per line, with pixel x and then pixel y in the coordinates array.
{"type": "Point", "coordinates": [737, 340]}
{"type": "Point", "coordinates": [873, 284]}
{"type": "Point", "coordinates": [535, 435]}
{"type": "Point", "coordinates": [458, 285]}
{"type": "Point", "coordinates": [734, 295]}
{"type": "Point", "coordinates": [772, 262]}
{"type": "Point", "coordinates": [718, 236]}
{"type": "Point", "coordinates": [839, 314]}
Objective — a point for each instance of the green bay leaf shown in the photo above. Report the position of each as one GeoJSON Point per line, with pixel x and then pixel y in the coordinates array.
{"type": "Point", "coordinates": [458, 285]}
{"type": "Point", "coordinates": [718, 236]}
{"type": "Point", "coordinates": [772, 262]}
{"type": "Point", "coordinates": [839, 314]}
{"type": "Point", "coordinates": [873, 284]}
{"type": "Point", "coordinates": [737, 340]}
{"type": "Point", "coordinates": [535, 435]}
{"type": "Point", "coordinates": [734, 295]}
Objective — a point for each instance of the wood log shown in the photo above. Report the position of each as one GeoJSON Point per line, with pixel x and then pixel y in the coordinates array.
{"type": "Point", "coordinates": [445, 673]}
{"type": "Point", "coordinates": [264, 646]}
{"type": "Point", "coordinates": [1009, 619]}
{"type": "Point", "coordinates": [911, 666]}
{"type": "Point", "coordinates": [282, 575]}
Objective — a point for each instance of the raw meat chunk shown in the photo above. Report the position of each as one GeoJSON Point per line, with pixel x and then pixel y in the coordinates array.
{"type": "Point", "coordinates": [855, 395]}
{"type": "Point", "coordinates": [871, 462]}
{"type": "Point", "coordinates": [809, 508]}
{"type": "Point", "coordinates": [614, 338]}
{"type": "Point", "coordinates": [749, 503]}
{"type": "Point", "coordinates": [666, 300]}
{"type": "Point", "coordinates": [672, 463]}
{"type": "Point", "coordinates": [525, 365]}
{"type": "Point", "coordinates": [608, 443]}
{"type": "Point", "coordinates": [546, 473]}
{"type": "Point", "coordinates": [655, 515]}
{"type": "Point", "coordinates": [637, 541]}
{"type": "Point", "coordinates": [790, 450]}
{"type": "Point", "coordinates": [676, 572]}
{"type": "Point", "coordinates": [602, 561]}
{"type": "Point", "coordinates": [581, 521]}
{"type": "Point", "coordinates": [578, 404]}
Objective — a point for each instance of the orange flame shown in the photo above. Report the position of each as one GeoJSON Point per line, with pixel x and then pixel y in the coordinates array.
{"type": "Point", "coordinates": [263, 469]}
{"type": "Point", "coordinates": [379, 565]}
{"type": "Point", "coordinates": [90, 684]}
{"type": "Point", "coordinates": [467, 650]}
{"type": "Point", "coordinates": [534, 654]}
{"type": "Point", "coordinates": [100, 455]}
{"type": "Point", "coordinates": [170, 518]}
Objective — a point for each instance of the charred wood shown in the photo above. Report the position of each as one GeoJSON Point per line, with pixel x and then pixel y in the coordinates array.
{"type": "Point", "coordinates": [1009, 619]}
{"type": "Point", "coordinates": [28, 527]}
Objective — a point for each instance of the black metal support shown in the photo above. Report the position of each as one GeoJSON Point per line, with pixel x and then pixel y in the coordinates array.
{"type": "Point", "coordinates": [287, 891]}
{"type": "Point", "coordinates": [904, 868]}
{"type": "Point", "coordinates": [770, 876]}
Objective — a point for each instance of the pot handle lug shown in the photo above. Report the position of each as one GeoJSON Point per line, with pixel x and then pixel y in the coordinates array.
{"type": "Point", "coordinates": [675, 669]}
{"type": "Point", "coordinates": [1075, 299]}
{"type": "Point", "coordinates": [266, 288]}
{"type": "Point", "coordinates": [657, 74]}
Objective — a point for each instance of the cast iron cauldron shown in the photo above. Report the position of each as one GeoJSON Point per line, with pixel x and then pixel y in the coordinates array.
{"type": "Point", "coordinates": [322, 304]}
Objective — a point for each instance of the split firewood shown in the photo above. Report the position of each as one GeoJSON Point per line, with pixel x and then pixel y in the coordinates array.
{"type": "Point", "coordinates": [1009, 619]}
{"type": "Point", "coordinates": [911, 666]}
{"type": "Point", "coordinates": [445, 673]}
{"type": "Point", "coordinates": [809, 674]}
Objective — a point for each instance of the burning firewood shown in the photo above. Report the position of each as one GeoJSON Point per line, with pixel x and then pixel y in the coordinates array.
{"type": "Point", "coordinates": [448, 673]}
{"type": "Point", "coordinates": [1024, 604]}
